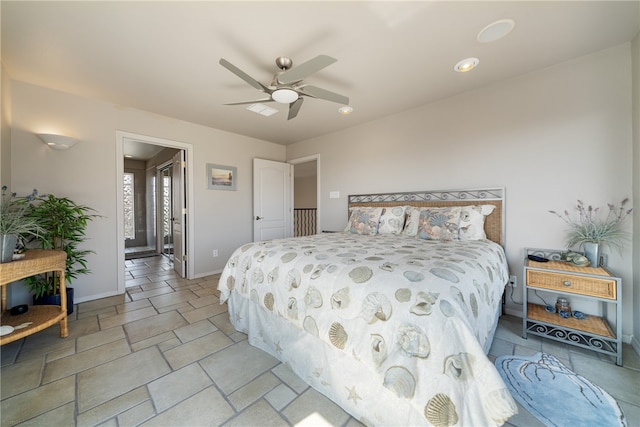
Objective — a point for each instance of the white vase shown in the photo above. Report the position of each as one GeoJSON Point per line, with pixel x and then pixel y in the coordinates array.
{"type": "Point", "coordinates": [592, 252]}
{"type": "Point", "coordinates": [7, 246]}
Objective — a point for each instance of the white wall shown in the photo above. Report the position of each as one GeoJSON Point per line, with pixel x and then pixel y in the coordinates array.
{"type": "Point", "coordinates": [635, 49]}
{"type": "Point", "coordinates": [87, 173]}
{"type": "Point", "coordinates": [5, 127]}
{"type": "Point", "coordinates": [550, 137]}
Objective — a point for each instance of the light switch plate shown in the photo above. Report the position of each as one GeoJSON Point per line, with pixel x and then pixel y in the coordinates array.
{"type": "Point", "coordinates": [334, 194]}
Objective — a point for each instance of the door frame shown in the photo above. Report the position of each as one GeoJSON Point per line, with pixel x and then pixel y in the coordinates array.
{"type": "Point", "coordinates": [188, 148]}
{"type": "Point", "coordinates": [306, 159]}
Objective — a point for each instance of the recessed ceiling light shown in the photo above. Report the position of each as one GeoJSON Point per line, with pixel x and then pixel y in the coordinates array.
{"type": "Point", "coordinates": [345, 110]}
{"type": "Point", "coordinates": [262, 109]}
{"type": "Point", "coordinates": [466, 65]}
{"type": "Point", "coordinates": [496, 30]}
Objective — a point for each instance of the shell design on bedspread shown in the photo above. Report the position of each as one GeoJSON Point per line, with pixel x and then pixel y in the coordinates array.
{"type": "Point", "coordinates": [361, 274]}
{"type": "Point", "coordinates": [258, 276]}
{"type": "Point", "coordinates": [318, 271]}
{"type": "Point", "coordinates": [413, 276]}
{"type": "Point", "coordinates": [307, 268]}
{"type": "Point", "coordinates": [313, 298]}
{"type": "Point", "coordinates": [403, 295]}
{"type": "Point", "coordinates": [446, 308]}
{"type": "Point", "coordinates": [233, 261]}
{"type": "Point", "coordinates": [268, 301]}
{"type": "Point", "coordinates": [338, 336]}
{"type": "Point", "coordinates": [376, 307]}
{"type": "Point", "coordinates": [341, 299]}
{"type": "Point", "coordinates": [445, 274]}
{"type": "Point", "coordinates": [293, 279]}
{"type": "Point", "coordinates": [473, 302]}
{"type": "Point", "coordinates": [378, 349]}
{"type": "Point", "coordinates": [400, 381]}
{"type": "Point", "coordinates": [273, 275]}
{"type": "Point", "coordinates": [253, 296]}
{"type": "Point", "coordinates": [424, 303]}
{"type": "Point", "coordinates": [231, 282]}
{"type": "Point", "coordinates": [288, 257]}
{"type": "Point", "coordinates": [459, 366]}
{"type": "Point", "coordinates": [387, 266]}
{"type": "Point", "coordinates": [309, 325]}
{"type": "Point", "coordinates": [441, 411]}
{"type": "Point", "coordinates": [292, 308]}
{"type": "Point", "coordinates": [413, 341]}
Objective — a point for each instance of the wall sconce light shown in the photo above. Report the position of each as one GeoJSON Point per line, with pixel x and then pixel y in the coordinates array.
{"type": "Point", "coordinates": [57, 142]}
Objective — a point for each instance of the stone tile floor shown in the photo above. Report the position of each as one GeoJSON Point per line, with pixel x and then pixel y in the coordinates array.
{"type": "Point", "coordinates": [165, 354]}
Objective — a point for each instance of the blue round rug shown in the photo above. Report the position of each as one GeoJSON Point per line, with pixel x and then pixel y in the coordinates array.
{"type": "Point", "coordinates": [555, 395]}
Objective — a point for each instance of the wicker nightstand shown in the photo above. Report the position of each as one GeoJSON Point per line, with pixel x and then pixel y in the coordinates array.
{"type": "Point", "coordinates": [594, 332]}
{"type": "Point", "coordinates": [35, 262]}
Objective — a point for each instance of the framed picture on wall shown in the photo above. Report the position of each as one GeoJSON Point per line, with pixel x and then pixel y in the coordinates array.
{"type": "Point", "coordinates": [221, 177]}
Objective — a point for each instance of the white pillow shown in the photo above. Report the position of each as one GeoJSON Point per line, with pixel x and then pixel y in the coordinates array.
{"type": "Point", "coordinates": [411, 223]}
{"type": "Point", "coordinates": [471, 225]}
{"type": "Point", "coordinates": [391, 220]}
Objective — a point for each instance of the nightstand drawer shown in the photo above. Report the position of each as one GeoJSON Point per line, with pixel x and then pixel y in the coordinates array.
{"type": "Point", "coordinates": [596, 287]}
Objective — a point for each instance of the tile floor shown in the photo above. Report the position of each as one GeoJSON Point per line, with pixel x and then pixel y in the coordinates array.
{"type": "Point", "coordinates": [159, 355]}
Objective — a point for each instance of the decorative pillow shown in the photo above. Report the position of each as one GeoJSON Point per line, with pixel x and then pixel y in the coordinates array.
{"type": "Point", "coordinates": [439, 223]}
{"type": "Point", "coordinates": [364, 220]}
{"type": "Point", "coordinates": [391, 220]}
{"type": "Point", "coordinates": [411, 223]}
{"type": "Point", "coordinates": [472, 221]}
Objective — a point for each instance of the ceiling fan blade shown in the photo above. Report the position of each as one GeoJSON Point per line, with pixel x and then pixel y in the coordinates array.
{"type": "Point", "coordinates": [250, 102]}
{"type": "Point", "coordinates": [327, 95]}
{"type": "Point", "coordinates": [244, 76]}
{"type": "Point", "coordinates": [294, 107]}
{"type": "Point", "coordinates": [305, 69]}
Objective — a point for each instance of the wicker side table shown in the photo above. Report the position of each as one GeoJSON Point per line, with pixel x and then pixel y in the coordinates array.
{"type": "Point", "coordinates": [35, 262]}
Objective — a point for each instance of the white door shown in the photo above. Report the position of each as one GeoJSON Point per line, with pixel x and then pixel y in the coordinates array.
{"type": "Point", "coordinates": [272, 195]}
{"type": "Point", "coordinates": [179, 214]}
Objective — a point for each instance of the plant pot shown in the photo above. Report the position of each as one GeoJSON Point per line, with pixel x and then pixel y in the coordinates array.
{"type": "Point", "coordinates": [8, 245]}
{"type": "Point", "coordinates": [55, 300]}
{"type": "Point", "coordinates": [592, 252]}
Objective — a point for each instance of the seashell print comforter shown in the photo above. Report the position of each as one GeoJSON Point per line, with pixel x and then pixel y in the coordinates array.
{"type": "Point", "coordinates": [390, 327]}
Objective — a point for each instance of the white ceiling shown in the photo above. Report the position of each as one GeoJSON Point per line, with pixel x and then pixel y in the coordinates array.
{"type": "Point", "coordinates": [162, 57]}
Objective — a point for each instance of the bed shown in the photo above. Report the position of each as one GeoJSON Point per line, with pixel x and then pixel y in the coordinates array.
{"type": "Point", "coordinates": [392, 317]}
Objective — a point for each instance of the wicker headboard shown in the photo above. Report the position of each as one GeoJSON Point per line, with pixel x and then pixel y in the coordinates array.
{"type": "Point", "coordinates": [494, 224]}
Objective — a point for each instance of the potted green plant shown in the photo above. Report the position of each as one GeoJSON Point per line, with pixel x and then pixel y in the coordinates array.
{"type": "Point", "coordinates": [15, 223]}
{"type": "Point", "coordinates": [64, 223]}
{"type": "Point", "coordinates": [589, 231]}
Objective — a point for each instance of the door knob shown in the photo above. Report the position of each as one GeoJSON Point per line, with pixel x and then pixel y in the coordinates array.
{"type": "Point", "coordinates": [259, 217]}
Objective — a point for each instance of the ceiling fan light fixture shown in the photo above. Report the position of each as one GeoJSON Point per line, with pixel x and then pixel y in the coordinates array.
{"type": "Point", "coordinates": [466, 65]}
{"type": "Point", "coordinates": [345, 110]}
{"type": "Point", "coordinates": [284, 96]}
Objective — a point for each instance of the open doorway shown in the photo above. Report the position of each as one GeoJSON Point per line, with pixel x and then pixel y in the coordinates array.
{"type": "Point", "coordinates": [306, 196]}
{"type": "Point", "coordinates": [150, 219]}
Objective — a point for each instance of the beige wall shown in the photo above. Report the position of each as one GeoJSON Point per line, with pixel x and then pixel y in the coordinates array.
{"type": "Point", "coordinates": [550, 137]}
{"type": "Point", "coordinates": [5, 127]}
{"type": "Point", "coordinates": [305, 192]}
{"type": "Point", "coordinates": [635, 48]}
{"type": "Point", "coordinates": [87, 173]}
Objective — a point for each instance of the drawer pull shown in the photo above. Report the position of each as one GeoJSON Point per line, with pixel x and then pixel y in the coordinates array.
{"type": "Point", "coordinates": [566, 283]}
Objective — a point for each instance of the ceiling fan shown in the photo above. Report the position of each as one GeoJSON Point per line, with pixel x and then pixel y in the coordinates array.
{"type": "Point", "coordinates": [287, 86]}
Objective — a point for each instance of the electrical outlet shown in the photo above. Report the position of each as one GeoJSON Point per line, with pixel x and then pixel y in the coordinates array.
{"type": "Point", "coordinates": [604, 260]}
{"type": "Point", "coordinates": [215, 253]}
{"type": "Point", "coordinates": [513, 281]}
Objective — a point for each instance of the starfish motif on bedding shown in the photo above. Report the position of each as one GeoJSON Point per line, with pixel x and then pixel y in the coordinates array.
{"type": "Point", "coordinates": [353, 394]}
